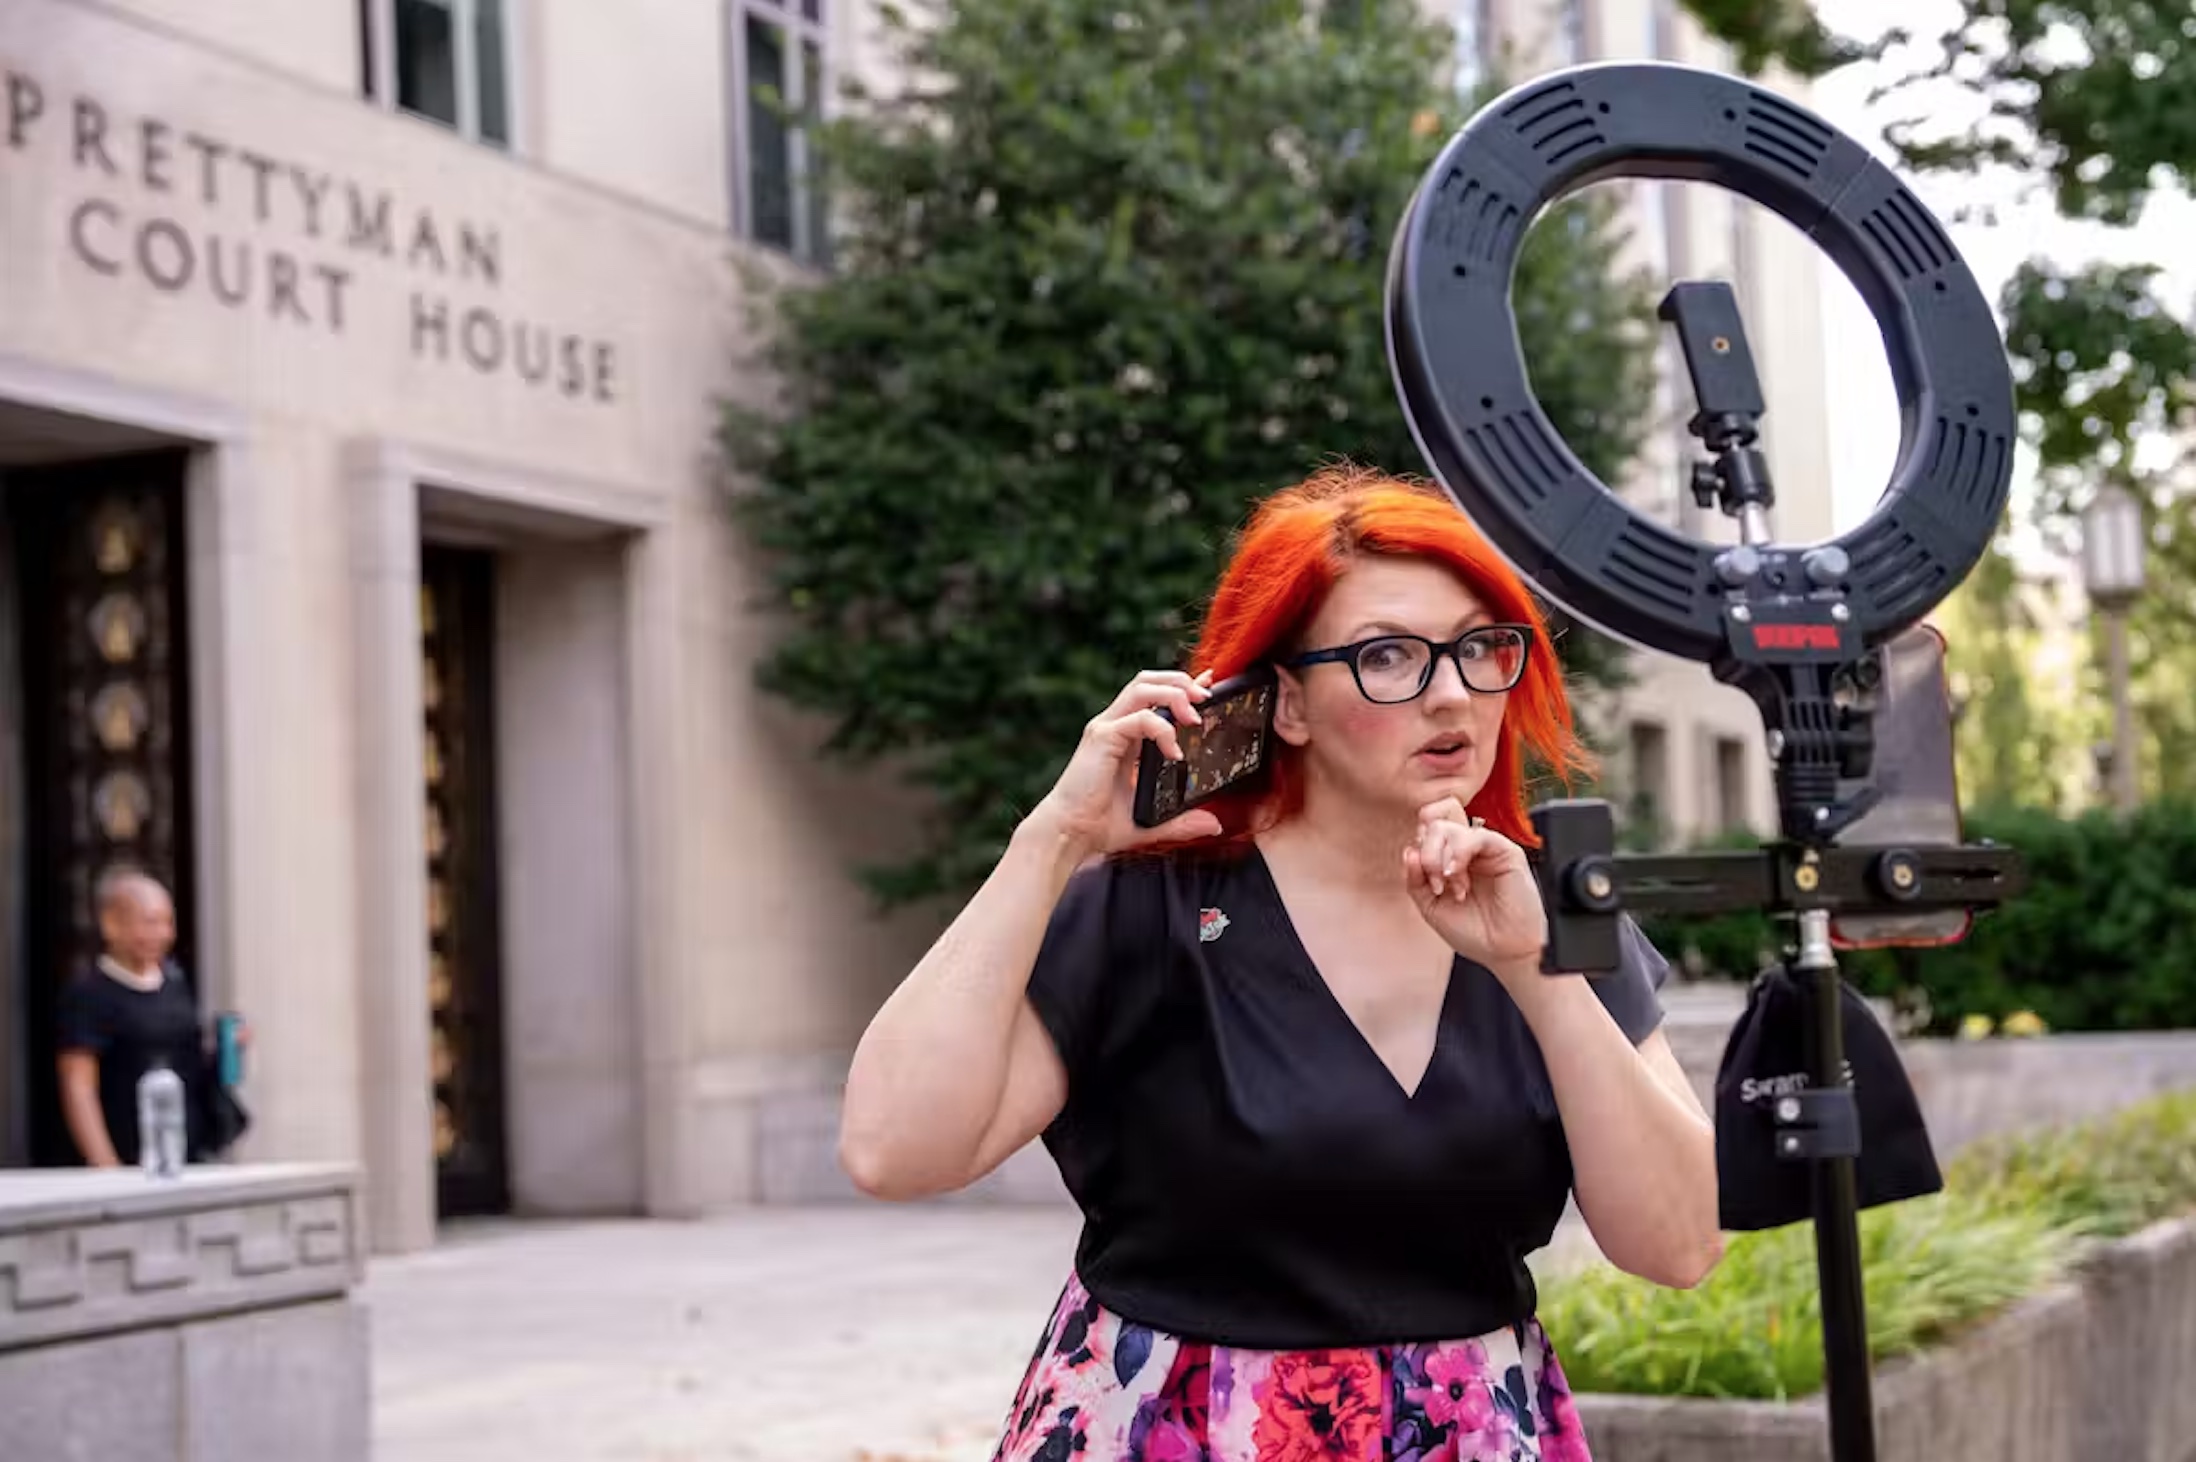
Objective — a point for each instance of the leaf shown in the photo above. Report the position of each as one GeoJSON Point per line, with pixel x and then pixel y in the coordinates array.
{"type": "Point", "coordinates": [1073, 1332]}
{"type": "Point", "coordinates": [1131, 1349]}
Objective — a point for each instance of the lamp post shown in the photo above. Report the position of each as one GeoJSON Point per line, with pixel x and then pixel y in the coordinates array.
{"type": "Point", "coordinates": [2112, 576]}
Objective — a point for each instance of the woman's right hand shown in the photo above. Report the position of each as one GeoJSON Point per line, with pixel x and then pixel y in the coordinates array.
{"type": "Point", "coordinates": [1091, 804]}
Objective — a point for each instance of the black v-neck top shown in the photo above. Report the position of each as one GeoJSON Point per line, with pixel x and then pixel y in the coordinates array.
{"type": "Point", "coordinates": [1250, 1172]}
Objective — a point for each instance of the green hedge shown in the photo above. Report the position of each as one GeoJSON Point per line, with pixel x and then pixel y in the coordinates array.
{"type": "Point", "coordinates": [2014, 1211]}
{"type": "Point", "coordinates": [2103, 939]}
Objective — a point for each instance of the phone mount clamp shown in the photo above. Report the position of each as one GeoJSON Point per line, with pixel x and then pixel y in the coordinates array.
{"type": "Point", "coordinates": [1800, 630]}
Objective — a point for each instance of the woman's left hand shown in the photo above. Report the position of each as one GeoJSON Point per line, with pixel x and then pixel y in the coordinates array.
{"type": "Point", "coordinates": [1476, 889]}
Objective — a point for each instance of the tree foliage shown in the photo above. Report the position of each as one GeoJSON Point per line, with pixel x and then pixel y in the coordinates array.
{"type": "Point", "coordinates": [1108, 273]}
{"type": "Point", "coordinates": [2087, 101]}
{"type": "Point", "coordinates": [2013, 739]}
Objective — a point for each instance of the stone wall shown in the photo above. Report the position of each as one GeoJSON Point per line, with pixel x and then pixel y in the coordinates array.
{"type": "Point", "coordinates": [2093, 1370]}
{"type": "Point", "coordinates": [203, 1319]}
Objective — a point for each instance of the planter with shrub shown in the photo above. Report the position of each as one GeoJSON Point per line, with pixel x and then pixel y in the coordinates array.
{"type": "Point", "coordinates": [2042, 1307]}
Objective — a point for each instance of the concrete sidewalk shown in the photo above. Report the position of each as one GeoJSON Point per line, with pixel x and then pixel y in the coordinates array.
{"type": "Point", "coordinates": [852, 1333]}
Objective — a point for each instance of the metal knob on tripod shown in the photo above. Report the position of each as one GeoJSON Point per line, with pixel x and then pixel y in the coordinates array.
{"type": "Point", "coordinates": [1802, 630]}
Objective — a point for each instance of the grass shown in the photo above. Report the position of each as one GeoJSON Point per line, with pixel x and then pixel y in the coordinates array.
{"type": "Point", "coordinates": [2014, 1213]}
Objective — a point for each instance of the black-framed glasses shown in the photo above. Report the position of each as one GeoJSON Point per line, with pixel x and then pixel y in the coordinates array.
{"type": "Point", "coordinates": [1391, 669]}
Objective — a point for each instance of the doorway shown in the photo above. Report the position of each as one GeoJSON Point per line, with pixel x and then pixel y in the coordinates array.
{"type": "Point", "coordinates": [464, 924]}
{"type": "Point", "coordinates": [94, 662]}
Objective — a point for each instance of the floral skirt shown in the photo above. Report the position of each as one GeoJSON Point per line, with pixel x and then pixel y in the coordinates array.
{"type": "Point", "coordinates": [1104, 1389]}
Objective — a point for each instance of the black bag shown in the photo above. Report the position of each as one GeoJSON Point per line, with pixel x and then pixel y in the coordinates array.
{"type": "Point", "coordinates": [222, 1119]}
{"type": "Point", "coordinates": [1766, 1057]}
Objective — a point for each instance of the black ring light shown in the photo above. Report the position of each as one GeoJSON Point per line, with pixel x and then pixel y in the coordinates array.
{"type": "Point", "coordinates": [1460, 371]}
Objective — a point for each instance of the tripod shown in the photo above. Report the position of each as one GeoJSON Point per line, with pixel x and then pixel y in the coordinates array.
{"type": "Point", "coordinates": [1793, 649]}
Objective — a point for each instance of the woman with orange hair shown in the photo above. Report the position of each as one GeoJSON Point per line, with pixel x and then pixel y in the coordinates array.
{"type": "Point", "coordinates": [1293, 1051]}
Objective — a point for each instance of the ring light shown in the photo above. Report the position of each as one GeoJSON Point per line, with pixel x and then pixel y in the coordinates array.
{"type": "Point", "coordinates": [1460, 370]}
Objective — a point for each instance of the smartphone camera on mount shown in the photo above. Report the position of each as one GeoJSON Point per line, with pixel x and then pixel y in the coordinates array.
{"type": "Point", "coordinates": [1914, 776]}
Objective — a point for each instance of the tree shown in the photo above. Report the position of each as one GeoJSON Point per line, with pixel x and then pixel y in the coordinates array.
{"type": "Point", "coordinates": [2012, 743]}
{"type": "Point", "coordinates": [1109, 272]}
{"type": "Point", "coordinates": [2088, 101]}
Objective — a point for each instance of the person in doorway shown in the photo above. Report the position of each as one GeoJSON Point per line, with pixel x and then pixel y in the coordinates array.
{"type": "Point", "coordinates": [132, 1009]}
{"type": "Point", "coordinates": [1294, 1052]}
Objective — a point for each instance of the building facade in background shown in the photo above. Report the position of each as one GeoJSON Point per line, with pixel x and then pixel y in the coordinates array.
{"type": "Point", "coordinates": [364, 572]}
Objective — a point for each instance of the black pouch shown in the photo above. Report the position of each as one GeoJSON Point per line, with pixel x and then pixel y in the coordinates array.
{"type": "Point", "coordinates": [1766, 1057]}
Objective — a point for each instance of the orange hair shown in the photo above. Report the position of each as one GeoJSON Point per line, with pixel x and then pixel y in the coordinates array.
{"type": "Point", "coordinates": [1297, 546]}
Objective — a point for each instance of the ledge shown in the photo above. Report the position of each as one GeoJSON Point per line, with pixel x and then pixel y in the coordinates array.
{"type": "Point", "coordinates": [86, 1253]}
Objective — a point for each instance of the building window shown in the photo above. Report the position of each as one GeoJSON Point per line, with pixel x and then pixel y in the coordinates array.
{"type": "Point", "coordinates": [446, 60]}
{"type": "Point", "coordinates": [779, 82]}
{"type": "Point", "coordinates": [1731, 812]}
{"type": "Point", "coordinates": [1661, 31]}
{"type": "Point", "coordinates": [1649, 813]}
{"type": "Point", "coordinates": [1475, 39]}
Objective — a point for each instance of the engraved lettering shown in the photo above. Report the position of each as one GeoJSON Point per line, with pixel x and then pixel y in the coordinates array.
{"type": "Point", "coordinates": [209, 152]}
{"type": "Point", "coordinates": [26, 104]}
{"type": "Point", "coordinates": [170, 268]}
{"type": "Point", "coordinates": [282, 287]}
{"type": "Point", "coordinates": [217, 272]}
{"type": "Point", "coordinates": [336, 279]}
{"type": "Point", "coordinates": [426, 241]}
{"type": "Point", "coordinates": [604, 355]}
{"type": "Point", "coordinates": [80, 238]}
{"type": "Point", "coordinates": [483, 340]}
{"type": "Point", "coordinates": [91, 134]}
{"type": "Point", "coordinates": [532, 368]}
{"type": "Point", "coordinates": [153, 154]}
{"type": "Point", "coordinates": [263, 171]}
{"type": "Point", "coordinates": [314, 190]}
{"type": "Point", "coordinates": [480, 254]}
{"type": "Point", "coordinates": [430, 319]}
{"type": "Point", "coordinates": [370, 230]}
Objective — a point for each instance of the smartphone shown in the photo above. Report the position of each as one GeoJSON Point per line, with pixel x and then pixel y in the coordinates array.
{"type": "Point", "coordinates": [1915, 774]}
{"type": "Point", "coordinates": [1227, 747]}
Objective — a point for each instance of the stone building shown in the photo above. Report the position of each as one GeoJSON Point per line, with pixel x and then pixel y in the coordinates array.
{"type": "Point", "coordinates": [363, 571]}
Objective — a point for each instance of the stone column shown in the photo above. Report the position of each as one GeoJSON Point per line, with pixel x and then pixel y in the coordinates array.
{"type": "Point", "coordinates": [271, 703]}
{"type": "Point", "coordinates": [667, 1037]}
{"type": "Point", "coordinates": [388, 726]}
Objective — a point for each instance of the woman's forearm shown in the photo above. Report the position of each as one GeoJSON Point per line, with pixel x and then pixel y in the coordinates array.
{"type": "Point", "coordinates": [1643, 1158]}
{"type": "Point", "coordinates": [87, 1124]}
{"type": "Point", "coordinates": [929, 1075]}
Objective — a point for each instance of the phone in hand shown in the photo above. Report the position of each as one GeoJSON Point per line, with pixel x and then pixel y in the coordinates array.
{"type": "Point", "coordinates": [1915, 774]}
{"type": "Point", "coordinates": [1225, 749]}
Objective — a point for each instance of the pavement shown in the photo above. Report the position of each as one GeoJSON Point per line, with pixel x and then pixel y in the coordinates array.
{"type": "Point", "coordinates": [857, 1332]}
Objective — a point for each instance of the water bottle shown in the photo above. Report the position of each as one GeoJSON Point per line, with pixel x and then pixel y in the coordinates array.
{"type": "Point", "coordinates": [160, 1122]}
{"type": "Point", "coordinates": [228, 1026]}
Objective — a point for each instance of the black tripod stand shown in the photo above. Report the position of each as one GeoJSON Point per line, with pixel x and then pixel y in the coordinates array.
{"type": "Point", "coordinates": [1792, 648]}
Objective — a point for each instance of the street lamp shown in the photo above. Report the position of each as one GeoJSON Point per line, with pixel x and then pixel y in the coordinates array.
{"type": "Point", "coordinates": [2112, 576]}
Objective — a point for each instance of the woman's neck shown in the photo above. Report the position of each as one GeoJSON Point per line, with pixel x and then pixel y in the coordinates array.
{"type": "Point", "coordinates": [1342, 841]}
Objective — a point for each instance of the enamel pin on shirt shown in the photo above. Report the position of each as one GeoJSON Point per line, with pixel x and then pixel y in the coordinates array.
{"type": "Point", "coordinates": [1211, 924]}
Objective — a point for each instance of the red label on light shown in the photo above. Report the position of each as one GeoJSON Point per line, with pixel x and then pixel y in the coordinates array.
{"type": "Point", "coordinates": [1796, 637]}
